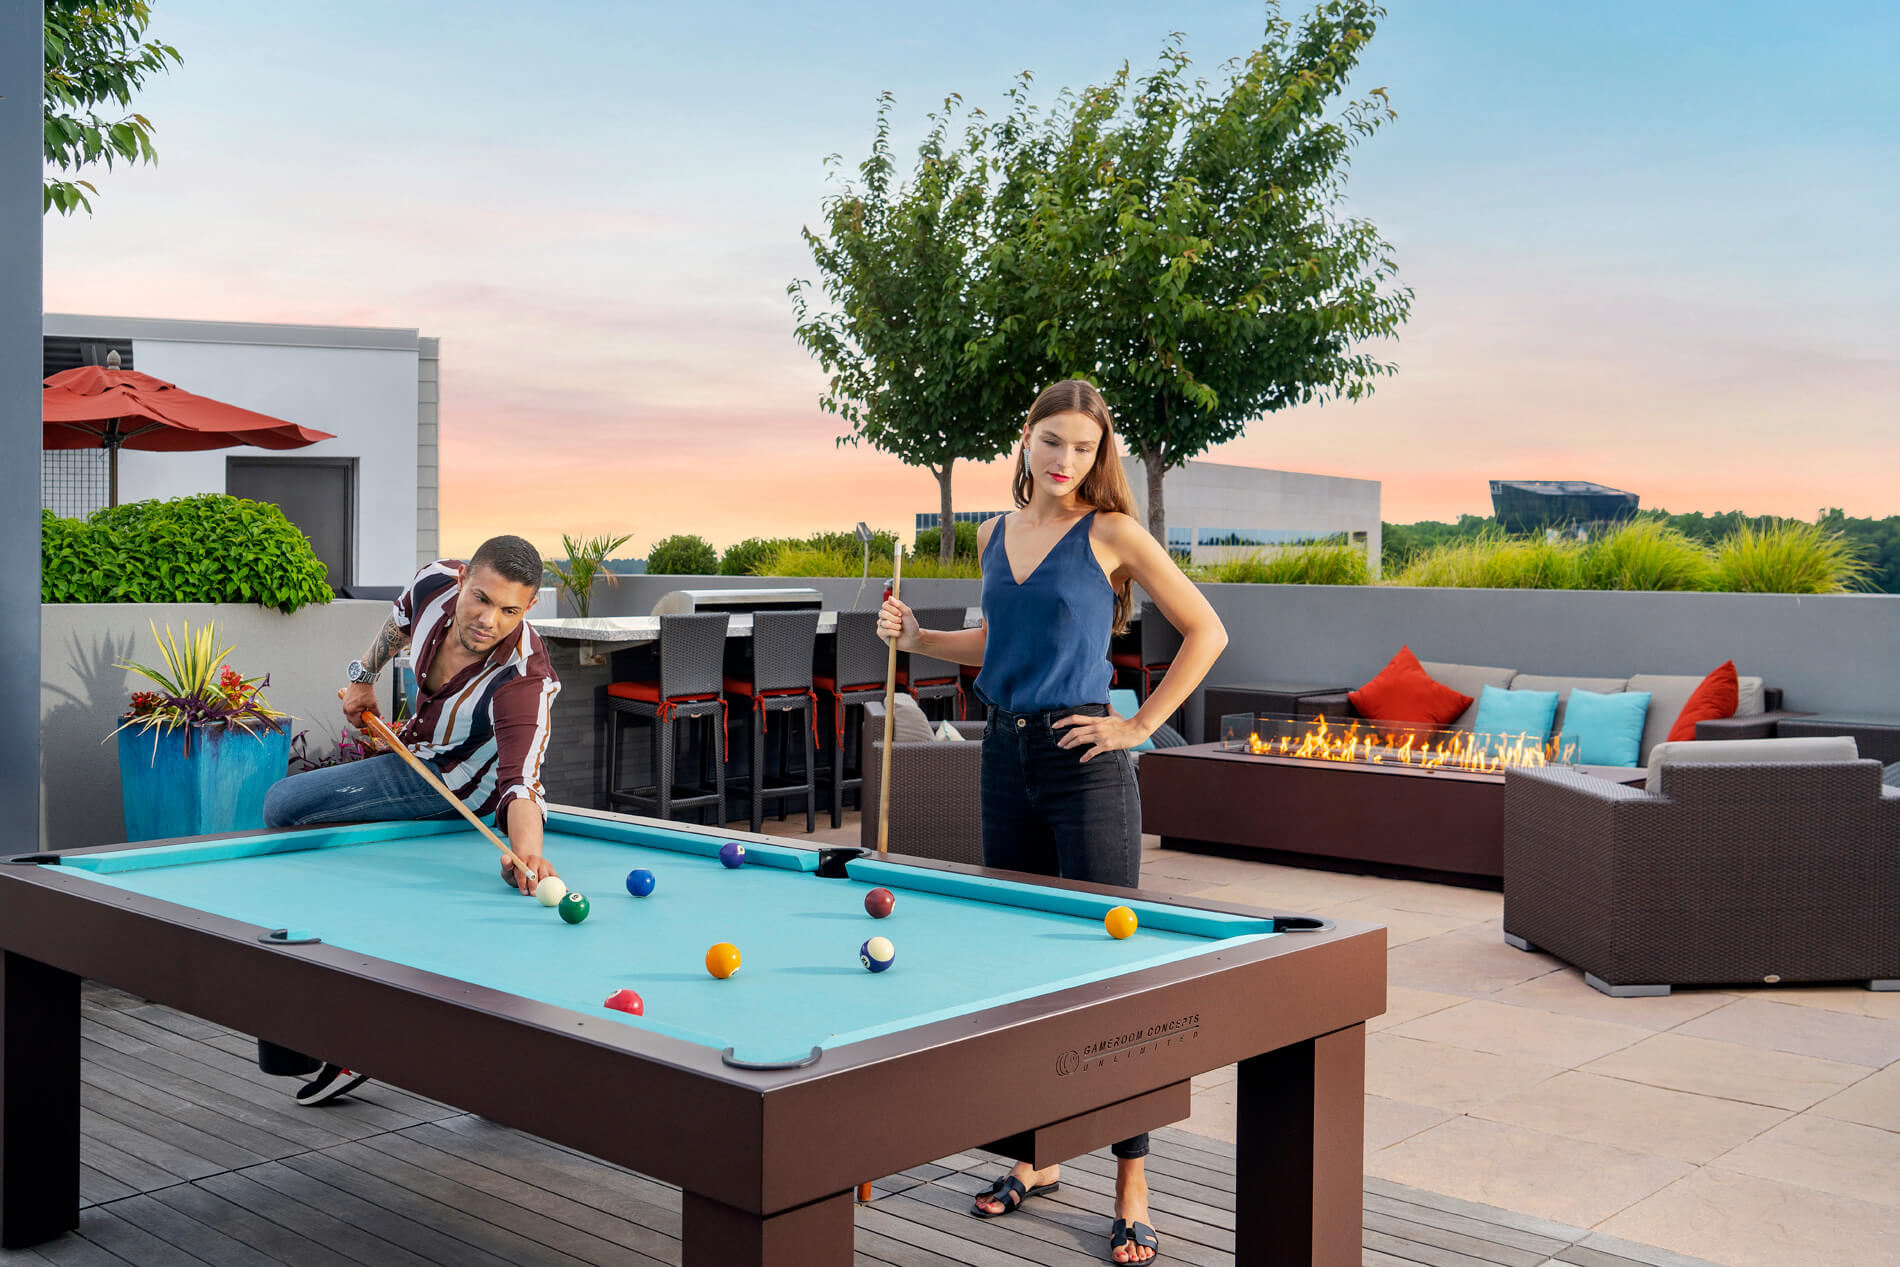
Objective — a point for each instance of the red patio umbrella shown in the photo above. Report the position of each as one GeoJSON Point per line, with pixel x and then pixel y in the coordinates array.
{"type": "Point", "coordinates": [106, 407]}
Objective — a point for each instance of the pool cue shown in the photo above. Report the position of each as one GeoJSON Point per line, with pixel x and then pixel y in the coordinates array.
{"type": "Point", "coordinates": [381, 730]}
{"type": "Point", "coordinates": [884, 763]}
{"type": "Point", "coordinates": [890, 698]}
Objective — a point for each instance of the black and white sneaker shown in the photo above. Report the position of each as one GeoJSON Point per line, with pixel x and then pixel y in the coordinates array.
{"type": "Point", "coordinates": [331, 1081]}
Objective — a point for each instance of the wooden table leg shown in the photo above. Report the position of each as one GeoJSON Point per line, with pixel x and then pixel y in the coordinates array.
{"type": "Point", "coordinates": [1299, 1169]}
{"type": "Point", "coordinates": [39, 1101]}
{"type": "Point", "coordinates": [713, 1234]}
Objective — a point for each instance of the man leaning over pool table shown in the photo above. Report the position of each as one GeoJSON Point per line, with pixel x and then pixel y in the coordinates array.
{"type": "Point", "coordinates": [482, 719]}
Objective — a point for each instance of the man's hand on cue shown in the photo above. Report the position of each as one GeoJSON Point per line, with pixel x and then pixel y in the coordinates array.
{"type": "Point", "coordinates": [541, 866]}
{"type": "Point", "coordinates": [358, 698]}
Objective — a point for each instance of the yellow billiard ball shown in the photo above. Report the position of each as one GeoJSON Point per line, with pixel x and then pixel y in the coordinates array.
{"type": "Point", "coordinates": [1120, 923]}
{"type": "Point", "coordinates": [723, 960]}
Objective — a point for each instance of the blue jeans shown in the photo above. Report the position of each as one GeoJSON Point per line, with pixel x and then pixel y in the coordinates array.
{"type": "Point", "coordinates": [1048, 812]}
{"type": "Point", "coordinates": [373, 790]}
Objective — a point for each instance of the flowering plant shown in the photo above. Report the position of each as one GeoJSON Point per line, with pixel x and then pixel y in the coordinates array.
{"type": "Point", "coordinates": [197, 689]}
{"type": "Point", "coordinates": [349, 747]}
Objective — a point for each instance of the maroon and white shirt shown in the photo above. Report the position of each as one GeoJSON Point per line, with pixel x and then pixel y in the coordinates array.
{"type": "Point", "coordinates": [486, 731]}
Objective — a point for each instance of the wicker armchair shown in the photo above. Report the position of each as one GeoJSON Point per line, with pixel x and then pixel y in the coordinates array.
{"type": "Point", "coordinates": [1728, 874]}
{"type": "Point", "coordinates": [936, 802]}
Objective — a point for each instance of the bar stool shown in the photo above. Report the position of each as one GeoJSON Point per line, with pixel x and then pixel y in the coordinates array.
{"type": "Point", "coordinates": [692, 657]}
{"type": "Point", "coordinates": [853, 677]}
{"type": "Point", "coordinates": [1160, 643]}
{"type": "Point", "coordinates": [929, 679]}
{"type": "Point", "coordinates": [782, 645]}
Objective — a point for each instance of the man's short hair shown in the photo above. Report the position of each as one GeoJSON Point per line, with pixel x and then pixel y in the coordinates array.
{"type": "Point", "coordinates": [512, 558]}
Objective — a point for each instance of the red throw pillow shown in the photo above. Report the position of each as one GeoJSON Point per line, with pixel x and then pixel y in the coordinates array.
{"type": "Point", "coordinates": [1403, 691]}
{"type": "Point", "coordinates": [1717, 697]}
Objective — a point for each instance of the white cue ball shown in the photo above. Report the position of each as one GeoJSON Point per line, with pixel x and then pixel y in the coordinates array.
{"type": "Point", "coordinates": [550, 891]}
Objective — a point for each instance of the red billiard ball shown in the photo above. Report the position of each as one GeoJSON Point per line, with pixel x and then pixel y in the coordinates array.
{"type": "Point", "coordinates": [626, 1001]}
{"type": "Point", "coordinates": [879, 903]}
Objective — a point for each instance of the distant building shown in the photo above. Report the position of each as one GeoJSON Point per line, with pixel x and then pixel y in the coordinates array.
{"type": "Point", "coordinates": [366, 499]}
{"type": "Point", "coordinates": [1553, 506]}
{"type": "Point", "coordinates": [1219, 512]}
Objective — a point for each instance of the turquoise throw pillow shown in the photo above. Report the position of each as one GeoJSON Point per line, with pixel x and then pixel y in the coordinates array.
{"type": "Point", "coordinates": [1124, 702]}
{"type": "Point", "coordinates": [1606, 729]}
{"type": "Point", "coordinates": [1514, 713]}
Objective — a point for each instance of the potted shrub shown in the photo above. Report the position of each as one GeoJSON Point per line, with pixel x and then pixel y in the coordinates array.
{"type": "Point", "coordinates": [197, 754]}
{"type": "Point", "coordinates": [586, 563]}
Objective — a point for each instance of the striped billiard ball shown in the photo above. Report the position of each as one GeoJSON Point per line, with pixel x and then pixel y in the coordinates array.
{"type": "Point", "coordinates": [877, 954]}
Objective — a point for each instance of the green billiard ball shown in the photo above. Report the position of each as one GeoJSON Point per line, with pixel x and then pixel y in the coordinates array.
{"type": "Point", "coordinates": [574, 908]}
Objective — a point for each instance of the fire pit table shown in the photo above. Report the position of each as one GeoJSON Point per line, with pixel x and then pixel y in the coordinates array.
{"type": "Point", "coordinates": [1403, 798]}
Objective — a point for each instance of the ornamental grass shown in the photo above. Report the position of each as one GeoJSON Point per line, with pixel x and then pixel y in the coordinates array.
{"type": "Point", "coordinates": [1317, 564]}
{"type": "Point", "coordinates": [1788, 558]}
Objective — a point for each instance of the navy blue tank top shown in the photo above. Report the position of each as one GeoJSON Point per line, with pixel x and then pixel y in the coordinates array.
{"type": "Point", "coordinates": [1048, 637]}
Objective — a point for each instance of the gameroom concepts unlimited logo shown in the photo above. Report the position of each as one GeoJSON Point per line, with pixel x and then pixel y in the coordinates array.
{"type": "Point", "coordinates": [1115, 1048]}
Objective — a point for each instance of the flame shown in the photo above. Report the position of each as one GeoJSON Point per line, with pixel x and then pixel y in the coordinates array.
{"type": "Point", "coordinates": [1319, 740]}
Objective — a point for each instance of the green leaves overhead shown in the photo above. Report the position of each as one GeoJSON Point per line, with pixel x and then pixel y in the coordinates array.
{"type": "Point", "coordinates": [1180, 243]}
{"type": "Point", "coordinates": [96, 54]}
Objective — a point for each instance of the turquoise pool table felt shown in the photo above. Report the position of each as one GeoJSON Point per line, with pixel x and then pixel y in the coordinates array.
{"type": "Point", "coordinates": [436, 902]}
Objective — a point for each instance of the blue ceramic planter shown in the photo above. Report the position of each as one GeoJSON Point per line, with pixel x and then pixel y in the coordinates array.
{"type": "Point", "coordinates": [216, 786]}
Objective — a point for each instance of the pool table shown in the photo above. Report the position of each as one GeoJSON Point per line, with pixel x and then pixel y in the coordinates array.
{"type": "Point", "coordinates": [1009, 1019]}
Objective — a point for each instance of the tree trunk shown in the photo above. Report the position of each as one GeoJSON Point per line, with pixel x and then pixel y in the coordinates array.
{"type": "Point", "coordinates": [1152, 462]}
{"type": "Point", "coordinates": [946, 530]}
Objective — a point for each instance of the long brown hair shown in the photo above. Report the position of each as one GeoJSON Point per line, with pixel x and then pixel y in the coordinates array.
{"type": "Point", "coordinates": [1105, 487]}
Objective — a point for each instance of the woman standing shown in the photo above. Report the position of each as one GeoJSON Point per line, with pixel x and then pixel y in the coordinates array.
{"type": "Point", "coordinates": [1059, 794]}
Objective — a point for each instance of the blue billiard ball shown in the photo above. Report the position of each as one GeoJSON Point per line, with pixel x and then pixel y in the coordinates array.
{"type": "Point", "coordinates": [877, 954]}
{"type": "Point", "coordinates": [639, 882]}
{"type": "Point", "coordinates": [732, 853]}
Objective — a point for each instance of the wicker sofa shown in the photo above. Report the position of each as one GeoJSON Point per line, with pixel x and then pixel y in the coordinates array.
{"type": "Point", "coordinates": [1755, 718]}
{"type": "Point", "coordinates": [940, 814]}
{"type": "Point", "coordinates": [1723, 874]}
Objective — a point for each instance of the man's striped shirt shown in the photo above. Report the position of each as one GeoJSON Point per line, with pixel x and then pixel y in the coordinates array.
{"type": "Point", "coordinates": [486, 731]}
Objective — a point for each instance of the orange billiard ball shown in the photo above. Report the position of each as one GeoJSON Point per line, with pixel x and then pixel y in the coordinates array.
{"type": "Point", "coordinates": [1120, 923]}
{"type": "Point", "coordinates": [723, 960]}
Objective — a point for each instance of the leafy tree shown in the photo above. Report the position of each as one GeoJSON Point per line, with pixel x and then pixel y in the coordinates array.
{"type": "Point", "coordinates": [1184, 248]}
{"type": "Point", "coordinates": [683, 554]}
{"type": "Point", "coordinates": [96, 52]}
{"type": "Point", "coordinates": [901, 266]}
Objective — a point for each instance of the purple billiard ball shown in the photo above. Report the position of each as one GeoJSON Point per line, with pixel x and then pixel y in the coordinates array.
{"type": "Point", "coordinates": [732, 853]}
{"type": "Point", "coordinates": [640, 882]}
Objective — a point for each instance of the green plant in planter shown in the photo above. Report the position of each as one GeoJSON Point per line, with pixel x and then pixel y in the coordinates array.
{"type": "Point", "coordinates": [586, 565]}
{"type": "Point", "coordinates": [683, 554]}
{"type": "Point", "coordinates": [215, 746]}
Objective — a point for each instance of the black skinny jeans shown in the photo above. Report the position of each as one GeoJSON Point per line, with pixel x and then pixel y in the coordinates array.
{"type": "Point", "coordinates": [1047, 812]}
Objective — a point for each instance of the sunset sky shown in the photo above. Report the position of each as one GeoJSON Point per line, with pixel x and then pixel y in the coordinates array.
{"type": "Point", "coordinates": [1653, 244]}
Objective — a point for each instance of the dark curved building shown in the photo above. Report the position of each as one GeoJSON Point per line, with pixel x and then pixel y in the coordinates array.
{"type": "Point", "coordinates": [1536, 505]}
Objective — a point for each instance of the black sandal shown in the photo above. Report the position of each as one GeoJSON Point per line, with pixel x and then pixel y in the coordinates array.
{"type": "Point", "coordinates": [1009, 1190]}
{"type": "Point", "coordinates": [1140, 1233]}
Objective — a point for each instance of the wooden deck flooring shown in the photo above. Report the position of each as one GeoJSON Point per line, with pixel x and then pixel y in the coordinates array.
{"type": "Point", "coordinates": [192, 1156]}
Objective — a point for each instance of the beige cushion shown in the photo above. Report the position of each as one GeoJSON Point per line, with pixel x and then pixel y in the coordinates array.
{"type": "Point", "coordinates": [1468, 679]}
{"type": "Point", "coordinates": [948, 732]}
{"type": "Point", "coordinates": [908, 723]}
{"type": "Point", "coordinates": [1668, 692]}
{"type": "Point", "coordinates": [1748, 752]}
{"type": "Point", "coordinates": [1563, 686]}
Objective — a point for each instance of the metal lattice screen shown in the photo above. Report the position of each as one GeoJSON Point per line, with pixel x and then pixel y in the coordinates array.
{"type": "Point", "coordinates": [74, 482]}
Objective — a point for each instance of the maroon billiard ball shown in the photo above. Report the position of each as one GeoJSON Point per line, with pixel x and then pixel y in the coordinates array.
{"type": "Point", "coordinates": [626, 1001]}
{"type": "Point", "coordinates": [879, 903]}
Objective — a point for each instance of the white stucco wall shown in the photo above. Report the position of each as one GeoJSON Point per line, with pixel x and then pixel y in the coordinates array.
{"type": "Point", "coordinates": [1218, 497]}
{"type": "Point", "coordinates": [321, 377]}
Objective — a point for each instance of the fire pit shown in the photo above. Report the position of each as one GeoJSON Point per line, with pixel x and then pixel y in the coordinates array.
{"type": "Point", "coordinates": [1399, 744]}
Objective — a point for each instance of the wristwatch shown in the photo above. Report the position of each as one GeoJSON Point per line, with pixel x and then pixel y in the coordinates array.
{"type": "Point", "coordinates": [360, 672]}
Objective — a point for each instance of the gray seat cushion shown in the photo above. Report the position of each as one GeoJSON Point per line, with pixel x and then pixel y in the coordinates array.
{"type": "Point", "coordinates": [1748, 752]}
{"type": "Point", "coordinates": [1669, 692]}
{"type": "Point", "coordinates": [908, 723]}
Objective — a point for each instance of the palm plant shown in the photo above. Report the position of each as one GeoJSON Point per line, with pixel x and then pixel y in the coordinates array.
{"type": "Point", "coordinates": [586, 564]}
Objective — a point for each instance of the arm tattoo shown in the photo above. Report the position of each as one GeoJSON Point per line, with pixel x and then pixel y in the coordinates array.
{"type": "Point", "coordinates": [391, 640]}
